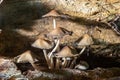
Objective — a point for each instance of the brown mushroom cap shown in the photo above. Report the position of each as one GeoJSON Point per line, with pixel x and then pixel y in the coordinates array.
{"type": "Point", "coordinates": [27, 56]}
{"type": "Point", "coordinates": [67, 52]}
{"type": "Point", "coordinates": [58, 33]}
{"type": "Point", "coordinates": [43, 44]}
{"type": "Point", "coordinates": [52, 13]}
{"type": "Point", "coordinates": [86, 40]}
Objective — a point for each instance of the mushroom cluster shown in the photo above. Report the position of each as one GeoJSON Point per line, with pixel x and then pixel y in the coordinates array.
{"type": "Point", "coordinates": [56, 56]}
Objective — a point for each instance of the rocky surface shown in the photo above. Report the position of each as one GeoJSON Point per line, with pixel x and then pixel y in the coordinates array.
{"type": "Point", "coordinates": [96, 8]}
{"type": "Point", "coordinates": [8, 70]}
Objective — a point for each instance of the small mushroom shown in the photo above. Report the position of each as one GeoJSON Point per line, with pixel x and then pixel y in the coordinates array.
{"type": "Point", "coordinates": [53, 14]}
{"type": "Point", "coordinates": [44, 44]}
{"type": "Point", "coordinates": [57, 34]}
{"type": "Point", "coordinates": [86, 41]}
{"type": "Point", "coordinates": [27, 56]}
{"type": "Point", "coordinates": [66, 53]}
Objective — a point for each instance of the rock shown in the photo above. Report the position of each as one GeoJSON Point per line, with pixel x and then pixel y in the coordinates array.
{"type": "Point", "coordinates": [8, 69]}
{"type": "Point", "coordinates": [82, 65]}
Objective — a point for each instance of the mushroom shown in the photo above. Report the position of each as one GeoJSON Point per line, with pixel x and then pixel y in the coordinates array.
{"type": "Point", "coordinates": [53, 14]}
{"type": "Point", "coordinates": [57, 34]}
{"type": "Point", "coordinates": [67, 51]}
{"type": "Point", "coordinates": [66, 54]}
{"type": "Point", "coordinates": [44, 44]}
{"type": "Point", "coordinates": [27, 56]}
{"type": "Point", "coordinates": [85, 41]}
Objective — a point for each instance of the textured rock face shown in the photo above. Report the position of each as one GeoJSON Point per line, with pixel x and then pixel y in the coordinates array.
{"type": "Point", "coordinates": [82, 6]}
{"type": "Point", "coordinates": [99, 8]}
{"type": "Point", "coordinates": [8, 69]}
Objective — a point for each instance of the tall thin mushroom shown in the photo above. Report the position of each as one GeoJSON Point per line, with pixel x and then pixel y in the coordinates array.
{"type": "Point", "coordinates": [53, 14]}
{"type": "Point", "coordinates": [44, 44]}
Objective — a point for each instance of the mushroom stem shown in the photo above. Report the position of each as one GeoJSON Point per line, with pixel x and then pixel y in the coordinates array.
{"type": "Point", "coordinates": [68, 63]}
{"type": "Point", "coordinates": [64, 63]}
{"type": "Point", "coordinates": [57, 62]}
{"type": "Point", "coordinates": [51, 63]}
{"type": "Point", "coordinates": [82, 51]}
{"type": "Point", "coordinates": [58, 48]}
{"type": "Point", "coordinates": [54, 23]}
{"type": "Point", "coordinates": [34, 66]}
{"type": "Point", "coordinates": [57, 44]}
{"type": "Point", "coordinates": [73, 62]}
{"type": "Point", "coordinates": [46, 57]}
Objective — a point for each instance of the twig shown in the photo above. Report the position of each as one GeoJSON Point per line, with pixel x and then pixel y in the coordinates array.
{"type": "Point", "coordinates": [82, 51]}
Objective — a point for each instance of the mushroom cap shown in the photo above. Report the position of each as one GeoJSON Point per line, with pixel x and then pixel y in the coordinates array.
{"type": "Point", "coordinates": [86, 40]}
{"type": "Point", "coordinates": [58, 32]}
{"type": "Point", "coordinates": [67, 52]}
{"type": "Point", "coordinates": [43, 43]}
{"type": "Point", "coordinates": [27, 56]}
{"type": "Point", "coordinates": [52, 13]}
